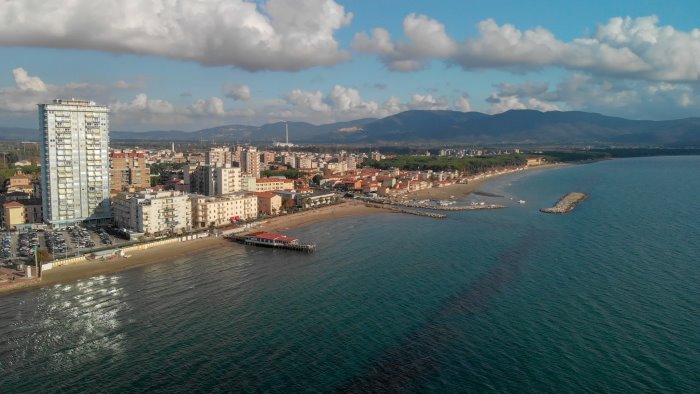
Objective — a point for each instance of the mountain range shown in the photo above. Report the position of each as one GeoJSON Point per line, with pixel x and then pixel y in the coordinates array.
{"type": "Point", "coordinates": [521, 127]}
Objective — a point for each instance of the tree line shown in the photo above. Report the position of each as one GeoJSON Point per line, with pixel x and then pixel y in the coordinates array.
{"type": "Point", "coordinates": [469, 165]}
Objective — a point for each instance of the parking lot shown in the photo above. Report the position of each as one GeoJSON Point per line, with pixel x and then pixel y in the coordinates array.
{"type": "Point", "coordinates": [60, 243]}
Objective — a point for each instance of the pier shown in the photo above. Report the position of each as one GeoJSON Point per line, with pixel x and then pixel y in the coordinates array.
{"type": "Point", "coordinates": [566, 204]}
{"type": "Point", "coordinates": [274, 240]}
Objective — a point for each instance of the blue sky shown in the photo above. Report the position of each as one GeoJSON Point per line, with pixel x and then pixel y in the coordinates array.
{"type": "Point", "coordinates": [189, 65]}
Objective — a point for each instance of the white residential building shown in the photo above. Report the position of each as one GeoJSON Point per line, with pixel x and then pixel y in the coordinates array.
{"type": "Point", "coordinates": [153, 212]}
{"type": "Point", "coordinates": [212, 180]}
{"type": "Point", "coordinates": [219, 157]}
{"type": "Point", "coordinates": [74, 150]}
{"type": "Point", "coordinates": [218, 211]}
{"type": "Point", "coordinates": [228, 180]}
{"type": "Point", "coordinates": [250, 161]}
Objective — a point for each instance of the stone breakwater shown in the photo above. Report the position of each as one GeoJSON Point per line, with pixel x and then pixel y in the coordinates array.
{"type": "Point", "coordinates": [567, 203]}
{"type": "Point", "coordinates": [407, 211]}
{"type": "Point", "coordinates": [447, 208]}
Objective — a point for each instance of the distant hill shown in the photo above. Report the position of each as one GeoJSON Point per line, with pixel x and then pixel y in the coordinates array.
{"type": "Point", "coordinates": [18, 134]}
{"type": "Point", "coordinates": [511, 127]}
{"type": "Point", "coordinates": [529, 127]}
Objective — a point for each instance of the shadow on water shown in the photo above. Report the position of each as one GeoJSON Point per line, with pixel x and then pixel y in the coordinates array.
{"type": "Point", "coordinates": [404, 367]}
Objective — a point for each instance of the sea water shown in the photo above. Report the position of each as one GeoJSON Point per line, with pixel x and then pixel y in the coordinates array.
{"type": "Point", "coordinates": [604, 299]}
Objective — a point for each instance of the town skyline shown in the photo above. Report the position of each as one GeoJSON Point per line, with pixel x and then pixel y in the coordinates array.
{"type": "Point", "coordinates": [327, 61]}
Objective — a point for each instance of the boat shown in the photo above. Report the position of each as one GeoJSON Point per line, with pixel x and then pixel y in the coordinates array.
{"type": "Point", "coordinates": [521, 201]}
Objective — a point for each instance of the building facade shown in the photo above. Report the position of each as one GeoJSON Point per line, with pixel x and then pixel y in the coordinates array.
{"type": "Point", "coordinates": [22, 211]}
{"type": "Point", "coordinates": [219, 157]}
{"type": "Point", "coordinates": [269, 203]}
{"type": "Point", "coordinates": [19, 183]}
{"type": "Point", "coordinates": [212, 180]}
{"type": "Point", "coordinates": [218, 211]}
{"type": "Point", "coordinates": [128, 170]}
{"type": "Point", "coordinates": [250, 161]}
{"type": "Point", "coordinates": [272, 184]}
{"type": "Point", "coordinates": [74, 151]}
{"type": "Point", "coordinates": [153, 212]}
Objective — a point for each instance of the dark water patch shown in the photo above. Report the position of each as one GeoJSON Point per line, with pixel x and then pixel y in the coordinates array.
{"type": "Point", "coordinates": [486, 194]}
{"type": "Point", "coordinates": [403, 368]}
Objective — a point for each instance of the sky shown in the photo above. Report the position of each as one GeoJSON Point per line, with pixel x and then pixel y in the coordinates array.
{"type": "Point", "coordinates": [192, 64]}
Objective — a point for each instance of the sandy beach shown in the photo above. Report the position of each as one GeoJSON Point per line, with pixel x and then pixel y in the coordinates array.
{"type": "Point", "coordinates": [462, 190]}
{"type": "Point", "coordinates": [444, 193]}
{"type": "Point", "coordinates": [171, 252]}
{"type": "Point", "coordinates": [345, 209]}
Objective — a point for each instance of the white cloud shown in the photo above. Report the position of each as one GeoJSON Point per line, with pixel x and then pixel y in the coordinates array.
{"type": "Point", "coordinates": [308, 100]}
{"type": "Point", "coordinates": [212, 106]}
{"type": "Point", "coordinates": [636, 48]}
{"type": "Point", "coordinates": [29, 91]}
{"type": "Point", "coordinates": [279, 35]}
{"type": "Point", "coordinates": [427, 102]}
{"type": "Point", "coordinates": [26, 83]}
{"type": "Point", "coordinates": [425, 38]}
{"type": "Point", "coordinates": [341, 103]}
{"type": "Point", "coordinates": [507, 103]}
{"type": "Point", "coordinates": [528, 95]}
{"type": "Point", "coordinates": [629, 98]}
{"type": "Point", "coordinates": [237, 92]}
{"type": "Point", "coordinates": [462, 104]}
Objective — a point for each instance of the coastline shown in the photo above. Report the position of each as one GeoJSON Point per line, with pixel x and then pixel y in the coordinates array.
{"type": "Point", "coordinates": [461, 190]}
{"type": "Point", "coordinates": [170, 252]}
{"type": "Point", "coordinates": [157, 255]}
{"type": "Point", "coordinates": [342, 210]}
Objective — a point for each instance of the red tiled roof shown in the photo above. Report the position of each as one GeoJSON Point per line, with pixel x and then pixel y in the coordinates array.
{"type": "Point", "coordinates": [265, 194]}
{"type": "Point", "coordinates": [123, 155]}
{"type": "Point", "coordinates": [274, 237]}
{"type": "Point", "coordinates": [264, 180]}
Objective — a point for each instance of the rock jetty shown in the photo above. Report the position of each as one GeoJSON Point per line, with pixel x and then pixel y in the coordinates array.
{"type": "Point", "coordinates": [407, 211]}
{"type": "Point", "coordinates": [446, 208]}
{"type": "Point", "coordinates": [567, 203]}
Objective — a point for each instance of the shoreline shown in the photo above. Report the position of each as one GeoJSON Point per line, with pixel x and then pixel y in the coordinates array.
{"type": "Point", "coordinates": [170, 252]}
{"type": "Point", "coordinates": [157, 255]}
{"type": "Point", "coordinates": [461, 190]}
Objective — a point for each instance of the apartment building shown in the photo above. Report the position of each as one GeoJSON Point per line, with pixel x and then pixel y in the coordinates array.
{"type": "Point", "coordinates": [272, 184]}
{"type": "Point", "coordinates": [22, 211]}
{"type": "Point", "coordinates": [212, 180]}
{"type": "Point", "coordinates": [153, 212]}
{"type": "Point", "coordinates": [269, 203]}
{"type": "Point", "coordinates": [74, 151]}
{"type": "Point", "coordinates": [219, 157]}
{"type": "Point", "coordinates": [218, 211]}
{"type": "Point", "coordinates": [250, 161]}
{"type": "Point", "coordinates": [128, 170]}
{"type": "Point", "coordinates": [19, 182]}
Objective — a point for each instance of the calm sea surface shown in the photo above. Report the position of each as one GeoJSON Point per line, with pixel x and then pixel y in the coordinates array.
{"type": "Point", "coordinates": [605, 299]}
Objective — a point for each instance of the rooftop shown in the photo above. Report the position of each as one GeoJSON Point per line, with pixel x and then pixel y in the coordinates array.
{"type": "Point", "coordinates": [274, 237]}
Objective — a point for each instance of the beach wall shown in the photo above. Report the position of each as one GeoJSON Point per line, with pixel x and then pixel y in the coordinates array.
{"type": "Point", "coordinates": [144, 246]}
{"type": "Point", "coordinates": [62, 262]}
